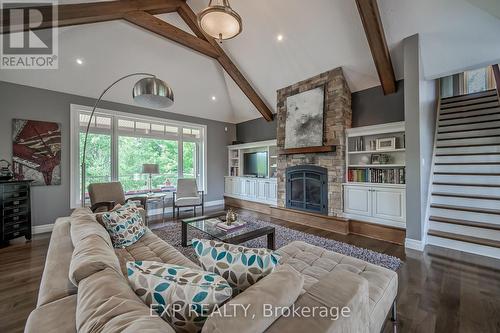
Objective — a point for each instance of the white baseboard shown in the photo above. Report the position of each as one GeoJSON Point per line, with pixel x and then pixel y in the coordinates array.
{"type": "Point", "coordinates": [41, 229]}
{"type": "Point", "coordinates": [414, 244]}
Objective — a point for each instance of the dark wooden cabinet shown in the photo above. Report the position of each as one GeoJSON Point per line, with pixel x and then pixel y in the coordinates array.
{"type": "Point", "coordinates": [15, 210]}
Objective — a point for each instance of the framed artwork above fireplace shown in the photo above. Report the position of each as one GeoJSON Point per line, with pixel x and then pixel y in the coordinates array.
{"type": "Point", "coordinates": [304, 119]}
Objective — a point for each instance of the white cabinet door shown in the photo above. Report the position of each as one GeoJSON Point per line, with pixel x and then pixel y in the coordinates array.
{"type": "Point", "coordinates": [251, 188]}
{"type": "Point", "coordinates": [357, 200]}
{"type": "Point", "coordinates": [273, 191]}
{"type": "Point", "coordinates": [389, 203]}
{"type": "Point", "coordinates": [262, 189]}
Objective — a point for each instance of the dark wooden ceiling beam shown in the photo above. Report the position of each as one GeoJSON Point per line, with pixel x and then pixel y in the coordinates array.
{"type": "Point", "coordinates": [92, 12]}
{"type": "Point", "coordinates": [370, 16]}
{"type": "Point", "coordinates": [190, 18]}
{"type": "Point", "coordinates": [164, 29]}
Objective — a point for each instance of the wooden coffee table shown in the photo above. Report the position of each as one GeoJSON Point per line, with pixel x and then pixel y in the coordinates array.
{"type": "Point", "coordinates": [248, 232]}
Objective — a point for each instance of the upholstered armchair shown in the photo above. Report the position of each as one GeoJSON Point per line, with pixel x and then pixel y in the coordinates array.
{"type": "Point", "coordinates": [187, 195]}
{"type": "Point", "coordinates": [104, 196]}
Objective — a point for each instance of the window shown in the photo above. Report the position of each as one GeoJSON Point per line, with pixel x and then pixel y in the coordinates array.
{"type": "Point", "coordinates": [478, 80]}
{"type": "Point", "coordinates": [119, 144]}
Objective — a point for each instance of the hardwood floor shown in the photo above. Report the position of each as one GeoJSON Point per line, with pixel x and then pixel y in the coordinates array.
{"type": "Point", "coordinates": [439, 290]}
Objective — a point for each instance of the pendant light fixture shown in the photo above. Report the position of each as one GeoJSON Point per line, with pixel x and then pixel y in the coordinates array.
{"type": "Point", "coordinates": [220, 21]}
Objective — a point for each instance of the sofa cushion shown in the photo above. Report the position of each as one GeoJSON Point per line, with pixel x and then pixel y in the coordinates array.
{"type": "Point", "coordinates": [279, 289]}
{"type": "Point", "coordinates": [183, 297]}
{"type": "Point", "coordinates": [240, 266]}
{"type": "Point", "coordinates": [125, 225]}
{"type": "Point", "coordinates": [47, 318]}
{"type": "Point", "coordinates": [188, 201]}
{"type": "Point", "coordinates": [314, 262]}
{"type": "Point", "coordinates": [345, 297]}
{"type": "Point", "coordinates": [83, 225]}
{"type": "Point", "coordinates": [151, 248]}
{"type": "Point", "coordinates": [107, 304]}
{"type": "Point", "coordinates": [55, 283]}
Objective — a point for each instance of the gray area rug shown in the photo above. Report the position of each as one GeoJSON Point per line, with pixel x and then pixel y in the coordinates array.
{"type": "Point", "coordinates": [171, 233]}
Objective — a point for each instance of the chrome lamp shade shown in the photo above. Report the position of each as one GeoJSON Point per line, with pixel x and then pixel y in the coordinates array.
{"type": "Point", "coordinates": [153, 92]}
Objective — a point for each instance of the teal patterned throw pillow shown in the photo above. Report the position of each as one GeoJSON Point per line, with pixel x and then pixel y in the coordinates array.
{"type": "Point", "coordinates": [239, 265]}
{"type": "Point", "coordinates": [124, 225]}
{"type": "Point", "coordinates": [184, 297]}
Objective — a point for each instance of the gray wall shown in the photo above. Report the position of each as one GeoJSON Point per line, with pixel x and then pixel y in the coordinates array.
{"type": "Point", "coordinates": [420, 115]}
{"type": "Point", "coordinates": [256, 130]}
{"type": "Point", "coordinates": [372, 107]}
{"type": "Point", "coordinates": [50, 202]}
{"type": "Point", "coordinates": [369, 107]}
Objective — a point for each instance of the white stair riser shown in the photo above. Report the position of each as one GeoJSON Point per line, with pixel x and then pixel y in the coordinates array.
{"type": "Point", "coordinates": [463, 246]}
{"type": "Point", "coordinates": [466, 202]}
{"type": "Point", "coordinates": [467, 190]}
{"type": "Point", "coordinates": [476, 180]}
{"type": "Point", "coordinates": [468, 159]}
{"type": "Point", "coordinates": [461, 135]}
{"type": "Point", "coordinates": [461, 215]}
{"type": "Point", "coordinates": [465, 230]}
{"type": "Point", "coordinates": [467, 97]}
{"type": "Point", "coordinates": [465, 150]}
{"type": "Point", "coordinates": [464, 142]}
{"type": "Point", "coordinates": [491, 117]}
{"type": "Point", "coordinates": [487, 99]}
{"type": "Point", "coordinates": [468, 168]}
{"type": "Point", "coordinates": [473, 113]}
{"type": "Point", "coordinates": [466, 127]}
{"type": "Point", "coordinates": [470, 107]}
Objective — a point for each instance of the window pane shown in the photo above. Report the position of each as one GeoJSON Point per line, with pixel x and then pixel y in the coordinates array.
{"type": "Point", "coordinates": [142, 128]}
{"type": "Point", "coordinates": [126, 125]}
{"type": "Point", "coordinates": [157, 129]}
{"type": "Point", "coordinates": [189, 160]}
{"type": "Point", "coordinates": [134, 152]}
{"type": "Point", "coordinates": [98, 158]}
{"type": "Point", "coordinates": [171, 130]}
{"type": "Point", "coordinates": [476, 80]}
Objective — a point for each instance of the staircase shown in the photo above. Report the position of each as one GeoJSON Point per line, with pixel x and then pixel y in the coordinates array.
{"type": "Point", "coordinates": [465, 201]}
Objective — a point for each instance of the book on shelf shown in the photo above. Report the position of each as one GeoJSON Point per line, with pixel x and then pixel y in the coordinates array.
{"type": "Point", "coordinates": [377, 176]}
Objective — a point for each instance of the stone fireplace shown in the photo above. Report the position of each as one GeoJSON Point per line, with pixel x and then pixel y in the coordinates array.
{"type": "Point", "coordinates": [307, 188]}
{"type": "Point", "coordinates": [337, 118]}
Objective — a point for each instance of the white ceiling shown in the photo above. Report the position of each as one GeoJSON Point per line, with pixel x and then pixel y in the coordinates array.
{"type": "Point", "coordinates": [319, 35]}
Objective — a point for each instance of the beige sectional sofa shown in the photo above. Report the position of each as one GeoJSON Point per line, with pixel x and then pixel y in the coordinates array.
{"type": "Point", "coordinates": [80, 254]}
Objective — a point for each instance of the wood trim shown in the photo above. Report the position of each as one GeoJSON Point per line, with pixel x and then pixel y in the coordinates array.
{"type": "Point", "coordinates": [308, 150]}
{"type": "Point", "coordinates": [466, 174]}
{"type": "Point", "coordinates": [187, 14]}
{"type": "Point", "coordinates": [470, 130]}
{"type": "Point", "coordinates": [466, 196]}
{"type": "Point", "coordinates": [464, 184]}
{"type": "Point", "coordinates": [385, 233]}
{"type": "Point", "coordinates": [466, 97]}
{"type": "Point", "coordinates": [457, 116]}
{"type": "Point", "coordinates": [319, 221]}
{"type": "Point", "coordinates": [464, 238]}
{"type": "Point", "coordinates": [164, 29]}
{"type": "Point", "coordinates": [374, 30]}
{"type": "Point", "coordinates": [92, 12]}
{"type": "Point", "coordinates": [465, 223]}
{"type": "Point", "coordinates": [245, 204]}
{"type": "Point", "coordinates": [496, 74]}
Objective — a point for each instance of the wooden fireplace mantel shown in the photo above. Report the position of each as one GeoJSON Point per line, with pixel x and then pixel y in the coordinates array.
{"type": "Point", "coordinates": [308, 150]}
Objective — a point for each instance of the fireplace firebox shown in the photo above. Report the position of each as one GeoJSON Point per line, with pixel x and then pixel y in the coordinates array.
{"type": "Point", "coordinates": [307, 188]}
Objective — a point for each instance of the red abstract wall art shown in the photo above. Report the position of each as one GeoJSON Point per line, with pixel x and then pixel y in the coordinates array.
{"type": "Point", "coordinates": [36, 151]}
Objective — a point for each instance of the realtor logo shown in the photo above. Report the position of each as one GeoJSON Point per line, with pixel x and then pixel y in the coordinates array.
{"type": "Point", "coordinates": [25, 42]}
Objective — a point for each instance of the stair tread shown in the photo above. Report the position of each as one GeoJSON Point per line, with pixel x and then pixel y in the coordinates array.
{"type": "Point", "coordinates": [470, 130]}
{"type": "Point", "coordinates": [468, 196]}
{"type": "Point", "coordinates": [458, 173]}
{"type": "Point", "coordinates": [465, 222]}
{"type": "Point", "coordinates": [469, 116]}
{"type": "Point", "coordinates": [465, 97]}
{"type": "Point", "coordinates": [470, 102]}
{"type": "Point", "coordinates": [464, 238]}
{"type": "Point", "coordinates": [467, 209]}
{"type": "Point", "coordinates": [472, 145]}
{"type": "Point", "coordinates": [467, 163]}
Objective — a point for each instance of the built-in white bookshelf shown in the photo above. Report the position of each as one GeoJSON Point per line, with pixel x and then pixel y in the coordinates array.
{"type": "Point", "coordinates": [237, 153]}
{"type": "Point", "coordinates": [374, 189]}
{"type": "Point", "coordinates": [376, 154]}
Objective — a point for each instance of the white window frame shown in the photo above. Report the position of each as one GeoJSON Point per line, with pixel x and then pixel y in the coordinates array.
{"type": "Point", "coordinates": [75, 163]}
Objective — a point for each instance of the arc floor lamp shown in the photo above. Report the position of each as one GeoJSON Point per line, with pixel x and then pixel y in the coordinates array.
{"type": "Point", "coordinates": [148, 92]}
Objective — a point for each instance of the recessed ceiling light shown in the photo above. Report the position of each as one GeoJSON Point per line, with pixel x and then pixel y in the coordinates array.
{"type": "Point", "coordinates": [214, 98]}
{"type": "Point", "coordinates": [279, 38]}
{"type": "Point", "coordinates": [79, 61]}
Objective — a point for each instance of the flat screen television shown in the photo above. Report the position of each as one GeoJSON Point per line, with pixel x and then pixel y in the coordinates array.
{"type": "Point", "coordinates": [255, 164]}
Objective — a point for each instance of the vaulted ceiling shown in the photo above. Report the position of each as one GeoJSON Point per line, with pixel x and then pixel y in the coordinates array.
{"type": "Point", "coordinates": [318, 35]}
